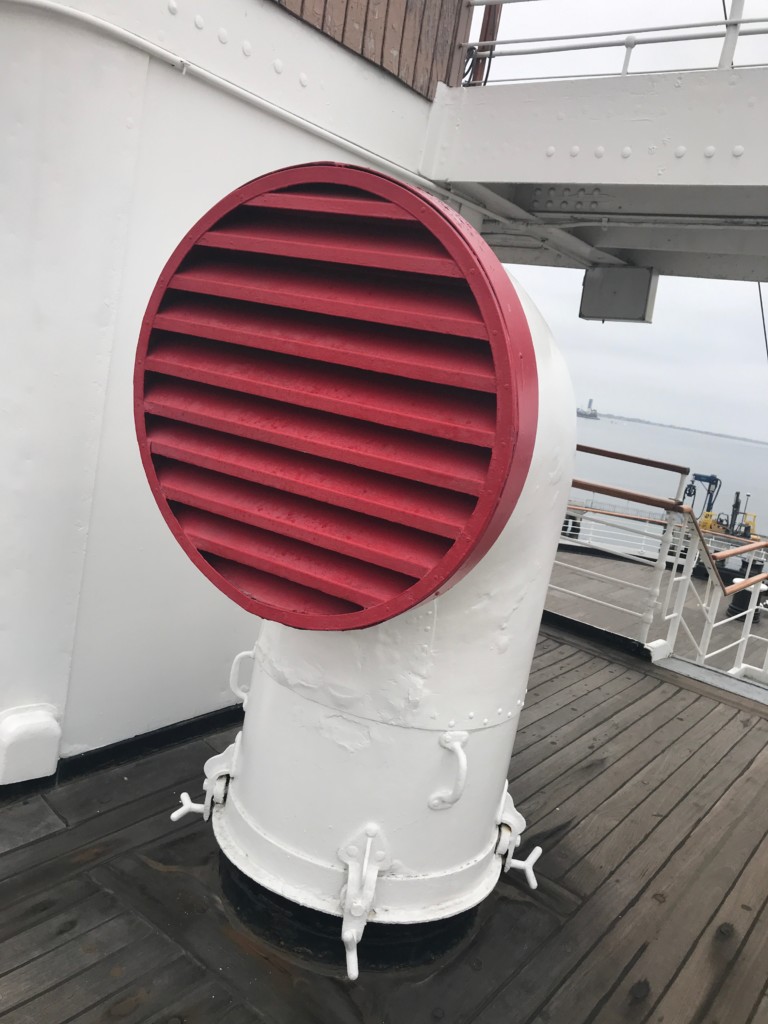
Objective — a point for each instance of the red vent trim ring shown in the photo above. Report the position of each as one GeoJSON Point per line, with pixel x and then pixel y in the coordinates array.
{"type": "Point", "coordinates": [336, 396]}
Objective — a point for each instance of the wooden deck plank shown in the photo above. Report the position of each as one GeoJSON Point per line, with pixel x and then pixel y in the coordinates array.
{"type": "Point", "coordinates": [550, 679]}
{"type": "Point", "coordinates": [695, 780]}
{"type": "Point", "coordinates": [594, 811]}
{"type": "Point", "coordinates": [48, 863]}
{"type": "Point", "coordinates": [237, 1015]}
{"type": "Point", "coordinates": [26, 913]}
{"type": "Point", "coordinates": [553, 970]}
{"type": "Point", "coordinates": [25, 820]}
{"type": "Point", "coordinates": [208, 1003]}
{"type": "Point", "coordinates": [544, 644]}
{"type": "Point", "coordinates": [602, 758]}
{"type": "Point", "coordinates": [51, 969]}
{"type": "Point", "coordinates": [561, 707]}
{"type": "Point", "coordinates": [57, 930]}
{"type": "Point", "coordinates": [581, 668]}
{"type": "Point", "coordinates": [591, 796]}
{"type": "Point", "coordinates": [576, 726]}
{"type": "Point", "coordinates": [95, 983]}
{"type": "Point", "coordinates": [550, 657]}
{"type": "Point", "coordinates": [583, 747]}
{"type": "Point", "coordinates": [151, 995]}
{"type": "Point", "coordinates": [760, 1015]}
{"type": "Point", "coordinates": [671, 911]}
{"type": "Point", "coordinates": [719, 945]}
{"type": "Point", "coordinates": [87, 797]}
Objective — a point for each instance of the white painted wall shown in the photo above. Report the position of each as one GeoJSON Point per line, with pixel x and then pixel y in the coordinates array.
{"type": "Point", "coordinates": [108, 157]}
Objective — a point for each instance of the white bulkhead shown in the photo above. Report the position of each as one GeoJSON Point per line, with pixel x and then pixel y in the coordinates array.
{"type": "Point", "coordinates": [369, 780]}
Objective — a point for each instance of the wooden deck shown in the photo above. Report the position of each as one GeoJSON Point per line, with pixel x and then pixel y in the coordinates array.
{"type": "Point", "coordinates": [648, 792]}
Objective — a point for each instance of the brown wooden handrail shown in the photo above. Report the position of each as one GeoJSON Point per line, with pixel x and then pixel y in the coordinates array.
{"type": "Point", "coordinates": [668, 504]}
{"type": "Point", "coordinates": [636, 459]}
{"type": "Point", "coordinates": [750, 581]}
{"type": "Point", "coordinates": [720, 556]}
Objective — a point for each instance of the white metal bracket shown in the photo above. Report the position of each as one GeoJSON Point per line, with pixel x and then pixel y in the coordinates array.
{"type": "Point", "coordinates": [366, 855]}
{"type": "Point", "coordinates": [445, 798]}
{"type": "Point", "coordinates": [525, 865]}
{"type": "Point", "coordinates": [511, 826]}
{"type": "Point", "coordinates": [218, 769]}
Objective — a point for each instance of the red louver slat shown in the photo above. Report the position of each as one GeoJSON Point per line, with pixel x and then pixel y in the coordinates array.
{"type": "Point", "coordinates": [336, 396]}
{"type": "Point", "coordinates": [375, 398]}
{"type": "Point", "coordinates": [386, 497]}
{"type": "Point", "coordinates": [349, 533]}
{"type": "Point", "coordinates": [360, 244]}
{"type": "Point", "coordinates": [274, 592]}
{"type": "Point", "coordinates": [417, 355]}
{"type": "Point", "coordinates": [331, 203]}
{"type": "Point", "coordinates": [328, 572]}
{"type": "Point", "coordinates": [412, 456]}
{"type": "Point", "coordinates": [422, 306]}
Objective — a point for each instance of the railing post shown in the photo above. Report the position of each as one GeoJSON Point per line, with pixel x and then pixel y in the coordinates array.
{"type": "Point", "coordinates": [713, 606]}
{"type": "Point", "coordinates": [679, 526]}
{"type": "Point", "coordinates": [746, 630]}
{"type": "Point", "coordinates": [629, 45]}
{"type": "Point", "coordinates": [691, 557]}
{"type": "Point", "coordinates": [731, 34]}
{"type": "Point", "coordinates": [654, 590]}
{"type": "Point", "coordinates": [681, 486]}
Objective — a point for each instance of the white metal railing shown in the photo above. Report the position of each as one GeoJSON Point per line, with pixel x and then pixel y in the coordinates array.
{"type": "Point", "coordinates": [480, 54]}
{"type": "Point", "coordinates": [697, 614]}
{"type": "Point", "coordinates": [676, 598]}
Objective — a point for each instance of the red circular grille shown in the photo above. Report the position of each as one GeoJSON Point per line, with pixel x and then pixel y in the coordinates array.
{"type": "Point", "coordinates": [335, 395]}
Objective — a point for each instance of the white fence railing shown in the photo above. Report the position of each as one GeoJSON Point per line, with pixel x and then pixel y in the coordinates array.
{"type": "Point", "coordinates": [482, 53]}
{"type": "Point", "coordinates": [676, 600]}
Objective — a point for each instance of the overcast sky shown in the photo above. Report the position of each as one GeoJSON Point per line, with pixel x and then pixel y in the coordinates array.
{"type": "Point", "coordinates": [702, 362]}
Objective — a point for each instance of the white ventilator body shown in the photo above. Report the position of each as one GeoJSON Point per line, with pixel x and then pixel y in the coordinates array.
{"type": "Point", "coordinates": [369, 780]}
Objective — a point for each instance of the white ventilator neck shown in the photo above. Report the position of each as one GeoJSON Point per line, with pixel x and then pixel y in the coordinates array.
{"type": "Point", "coordinates": [369, 780]}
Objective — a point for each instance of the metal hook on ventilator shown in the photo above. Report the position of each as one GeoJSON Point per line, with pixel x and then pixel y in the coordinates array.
{"type": "Point", "coordinates": [445, 798]}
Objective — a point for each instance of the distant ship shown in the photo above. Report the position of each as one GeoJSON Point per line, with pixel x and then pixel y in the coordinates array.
{"type": "Point", "coordinates": [590, 413]}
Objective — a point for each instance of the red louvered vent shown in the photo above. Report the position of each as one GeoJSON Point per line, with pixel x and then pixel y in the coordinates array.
{"type": "Point", "coordinates": [336, 396]}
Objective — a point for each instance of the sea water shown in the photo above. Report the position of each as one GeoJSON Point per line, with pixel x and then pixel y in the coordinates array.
{"type": "Point", "coordinates": [741, 465]}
